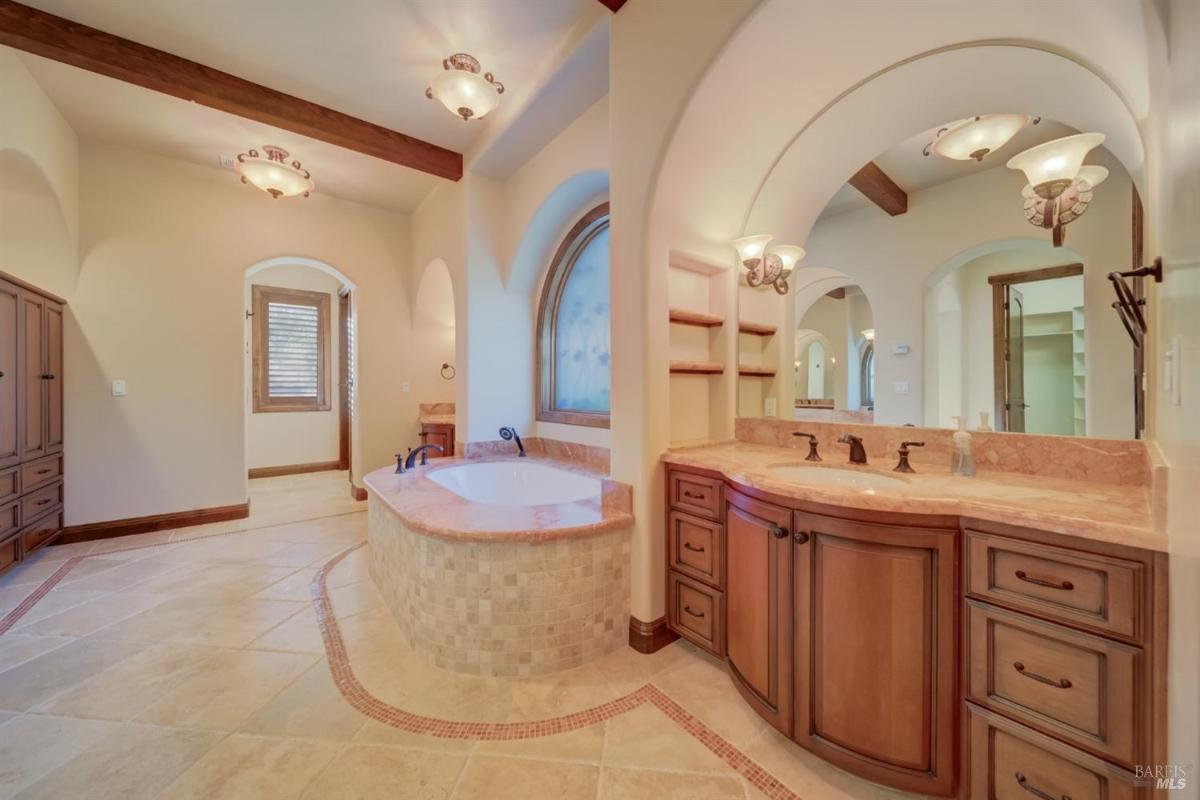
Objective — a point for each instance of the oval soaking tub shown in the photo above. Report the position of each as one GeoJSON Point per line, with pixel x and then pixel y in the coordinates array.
{"type": "Point", "coordinates": [516, 483]}
{"type": "Point", "coordinates": [502, 567]}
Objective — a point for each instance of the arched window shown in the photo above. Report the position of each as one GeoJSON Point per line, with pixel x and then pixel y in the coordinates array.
{"type": "Point", "coordinates": [574, 345]}
{"type": "Point", "coordinates": [867, 377]}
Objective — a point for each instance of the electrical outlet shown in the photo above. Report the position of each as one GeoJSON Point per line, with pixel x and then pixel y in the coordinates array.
{"type": "Point", "coordinates": [226, 162]}
{"type": "Point", "coordinates": [118, 388]}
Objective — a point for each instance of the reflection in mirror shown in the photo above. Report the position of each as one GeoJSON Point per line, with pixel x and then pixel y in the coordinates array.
{"type": "Point", "coordinates": [835, 358]}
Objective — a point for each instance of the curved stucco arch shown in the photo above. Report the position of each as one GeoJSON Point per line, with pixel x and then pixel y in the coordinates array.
{"type": "Point", "coordinates": [37, 244]}
{"type": "Point", "coordinates": [302, 261]}
{"type": "Point", "coordinates": [552, 219]}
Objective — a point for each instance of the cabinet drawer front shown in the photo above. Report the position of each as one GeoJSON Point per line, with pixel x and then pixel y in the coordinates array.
{"type": "Point", "coordinates": [696, 547]}
{"type": "Point", "coordinates": [696, 613]}
{"type": "Point", "coordinates": [41, 501]}
{"type": "Point", "coordinates": [10, 484]}
{"type": "Point", "coordinates": [1070, 684]}
{"type": "Point", "coordinates": [10, 552]}
{"type": "Point", "coordinates": [696, 494]}
{"type": "Point", "coordinates": [1081, 588]}
{"type": "Point", "coordinates": [10, 518]}
{"type": "Point", "coordinates": [42, 471]}
{"type": "Point", "coordinates": [42, 531]}
{"type": "Point", "coordinates": [1011, 762]}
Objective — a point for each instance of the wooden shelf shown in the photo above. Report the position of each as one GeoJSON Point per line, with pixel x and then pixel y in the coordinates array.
{"type": "Point", "coordinates": [696, 318]}
{"type": "Point", "coordinates": [756, 328]}
{"type": "Point", "coordinates": [696, 368]}
{"type": "Point", "coordinates": [755, 371]}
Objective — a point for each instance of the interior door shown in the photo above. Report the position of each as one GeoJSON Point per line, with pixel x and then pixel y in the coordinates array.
{"type": "Point", "coordinates": [758, 607]}
{"type": "Point", "coordinates": [1014, 361]}
{"type": "Point", "coordinates": [53, 376]}
{"type": "Point", "coordinates": [875, 650]}
{"type": "Point", "coordinates": [10, 396]}
{"type": "Point", "coordinates": [33, 390]}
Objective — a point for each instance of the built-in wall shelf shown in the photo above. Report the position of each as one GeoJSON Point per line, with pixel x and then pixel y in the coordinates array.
{"type": "Point", "coordinates": [756, 328]}
{"type": "Point", "coordinates": [696, 368]}
{"type": "Point", "coordinates": [756, 371]}
{"type": "Point", "coordinates": [699, 319]}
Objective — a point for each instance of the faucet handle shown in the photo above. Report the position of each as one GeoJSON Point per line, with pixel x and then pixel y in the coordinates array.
{"type": "Point", "coordinates": [399, 463]}
{"type": "Point", "coordinates": [813, 455]}
{"type": "Point", "coordinates": [906, 445]}
{"type": "Point", "coordinates": [904, 466]}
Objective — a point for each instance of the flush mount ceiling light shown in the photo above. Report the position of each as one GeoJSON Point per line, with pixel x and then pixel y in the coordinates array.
{"type": "Point", "coordinates": [272, 172]}
{"type": "Point", "coordinates": [462, 90]}
{"type": "Point", "coordinates": [975, 137]}
{"type": "Point", "coordinates": [1060, 186]}
{"type": "Point", "coordinates": [764, 267]}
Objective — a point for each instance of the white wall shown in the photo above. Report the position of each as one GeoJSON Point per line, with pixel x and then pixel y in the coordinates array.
{"type": "Point", "coordinates": [433, 336]}
{"type": "Point", "coordinates": [294, 437]}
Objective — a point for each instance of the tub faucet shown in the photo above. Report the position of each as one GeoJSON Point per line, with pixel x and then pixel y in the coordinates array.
{"type": "Point", "coordinates": [510, 435]}
{"type": "Point", "coordinates": [411, 461]}
{"type": "Point", "coordinates": [858, 455]}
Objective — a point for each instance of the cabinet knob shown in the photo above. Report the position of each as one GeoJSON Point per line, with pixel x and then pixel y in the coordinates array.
{"type": "Point", "coordinates": [778, 532]}
{"type": "Point", "coordinates": [799, 537]}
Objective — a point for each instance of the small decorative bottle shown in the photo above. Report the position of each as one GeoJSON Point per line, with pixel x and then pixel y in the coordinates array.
{"type": "Point", "coordinates": [962, 462]}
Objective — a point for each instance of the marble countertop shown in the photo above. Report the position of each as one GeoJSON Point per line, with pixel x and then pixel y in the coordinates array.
{"type": "Point", "coordinates": [430, 508]}
{"type": "Point", "coordinates": [435, 419]}
{"type": "Point", "coordinates": [1095, 511]}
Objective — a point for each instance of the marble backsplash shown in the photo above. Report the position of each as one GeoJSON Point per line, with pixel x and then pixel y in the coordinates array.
{"type": "Point", "coordinates": [1108, 461]}
{"type": "Point", "coordinates": [594, 456]}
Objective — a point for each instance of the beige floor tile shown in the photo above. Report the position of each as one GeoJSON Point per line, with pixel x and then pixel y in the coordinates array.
{"type": "Point", "coordinates": [702, 685]}
{"type": "Point", "coordinates": [37, 680]}
{"type": "Point", "coordinates": [297, 586]}
{"type": "Point", "coordinates": [561, 693]}
{"type": "Point", "coordinates": [253, 767]}
{"type": "Point", "coordinates": [31, 747]}
{"type": "Point", "coordinates": [57, 601]}
{"type": "Point", "coordinates": [355, 598]}
{"type": "Point", "coordinates": [297, 634]}
{"type": "Point", "coordinates": [311, 707]}
{"type": "Point", "coordinates": [496, 778]}
{"type": "Point", "coordinates": [809, 776]}
{"type": "Point", "coordinates": [129, 762]}
{"type": "Point", "coordinates": [639, 784]}
{"type": "Point", "coordinates": [231, 688]}
{"type": "Point", "coordinates": [205, 621]}
{"type": "Point", "coordinates": [364, 773]}
{"type": "Point", "coordinates": [127, 575]}
{"type": "Point", "coordinates": [128, 687]}
{"type": "Point", "coordinates": [30, 573]}
{"type": "Point", "coordinates": [305, 554]}
{"type": "Point", "coordinates": [377, 733]}
{"type": "Point", "coordinates": [16, 648]}
{"type": "Point", "coordinates": [645, 738]}
{"type": "Point", "coordinates": [90, 616]}
{"type": "Point", "coordinates": [126, 545]}
{"type": "Point", "coordinates": [585, 745]}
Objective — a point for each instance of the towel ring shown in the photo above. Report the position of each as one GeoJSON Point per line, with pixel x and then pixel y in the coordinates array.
{"type": "Point", "coordinates": [448, 368]}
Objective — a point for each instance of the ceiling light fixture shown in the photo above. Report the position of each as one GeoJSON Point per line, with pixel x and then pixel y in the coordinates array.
{"type": "Point", "coordinates": [869, 334]}
{"type": "Point", "coordinates": [1060, 186]}
{"type": "Point", "coordinates": [975, 137]}
{"type": "Point", "coordinates": [273, 173]}
{"type": "Point", "coordinates": [764, 267]}
{"type": "Point", "coordinates": [462, 90]}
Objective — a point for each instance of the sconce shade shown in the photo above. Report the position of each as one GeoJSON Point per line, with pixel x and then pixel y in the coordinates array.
{"type": "Point", "coordinates": [1052, 167]}
{"type": "Point", "coordinates": [869, 334]}
{"type": "Point", "coordinates": [750, 248]}
{"type": "Point", "coordinates": [1093, 174]}
{"type": "Point", "coordinates": [979, 136]}
{"type": "Point", "coordinates": [790, 255]}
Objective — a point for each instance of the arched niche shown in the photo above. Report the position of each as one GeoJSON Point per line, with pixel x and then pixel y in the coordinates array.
{"type": "Point", "coordinates": [554, 216]}
{"type": "Point", "coordinates": [35, 240]}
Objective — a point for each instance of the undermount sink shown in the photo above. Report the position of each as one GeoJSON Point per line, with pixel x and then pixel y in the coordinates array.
{"type": "Point", "coordinates": [860, 480]}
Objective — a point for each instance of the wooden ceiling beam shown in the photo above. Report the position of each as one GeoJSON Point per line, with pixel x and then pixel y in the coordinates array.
{"type": "Point", "coordinates": [60, 39]}
{"type": "Point", "coordinates": [880, 189]}
{"type": "Point", "coordinates": [613, 5]}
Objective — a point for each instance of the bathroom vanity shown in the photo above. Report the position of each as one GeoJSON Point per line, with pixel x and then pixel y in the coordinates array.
{"type": "Point", "coordinates": [907, 630]}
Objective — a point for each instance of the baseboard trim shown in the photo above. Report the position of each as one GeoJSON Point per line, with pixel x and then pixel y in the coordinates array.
{"type": "Point", "coordinates": [649, 637]}
{"type": "Point", "coordinates": [155, 522]}
{"type": "Point", "coordinates": [358, 492]}
{"type": "Point", "coordinates": [294, 469]}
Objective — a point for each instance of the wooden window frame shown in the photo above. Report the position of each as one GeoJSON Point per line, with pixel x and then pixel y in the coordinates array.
{"type": "Point", "coordinates": [260, 297]}
{"type": "Point", "coordinates": [580, 235]}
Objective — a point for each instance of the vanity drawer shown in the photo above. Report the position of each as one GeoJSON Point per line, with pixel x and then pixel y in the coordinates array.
{"type": "Point", "coordinates": [1095, 591]}
{"type": "Point", "coordinates": [10, 518]}
{"type": "Point", "coordinates": [37, 473]}
{"type": "Point", "coordinates": [695, 611]}
{"type": "Point", "coordinates": [1011, 762]}
{"type": "Point", "coordinates": [41, 501]}
{"type": "Point", "coordinates": [696, 547]}
{"type": "Point", "coordinates": [41, 532]}
{"type": "Point", "coordinates": [1064, 682]}
{"type": "Point", "coordinates": [10, 484]}
{"type": "Point", "coordinates": [696, 494]}
{"type": "Point", "coordinates": [10, 552]}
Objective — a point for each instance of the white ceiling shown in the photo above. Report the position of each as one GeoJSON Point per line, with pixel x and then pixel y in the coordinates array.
{"type": "Point", "coordinates": [913, 171]}
{"type": "Point", "coordinates": [368, 58]}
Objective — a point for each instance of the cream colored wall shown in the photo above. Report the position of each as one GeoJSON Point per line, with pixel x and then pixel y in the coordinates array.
{"type": "Point", "coordinates": [296, 437]}
{"type": "Point", "coordinates": [159, 304]}
{"type": "Point", "coordinates": [433, 337]}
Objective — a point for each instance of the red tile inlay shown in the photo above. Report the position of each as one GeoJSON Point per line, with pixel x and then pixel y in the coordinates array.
{"type": "Point", "coordinates": [43, 589]}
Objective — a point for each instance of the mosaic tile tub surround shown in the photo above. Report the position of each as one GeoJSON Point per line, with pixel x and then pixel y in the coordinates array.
{"type": "Point", "coordinates": [503, 608]}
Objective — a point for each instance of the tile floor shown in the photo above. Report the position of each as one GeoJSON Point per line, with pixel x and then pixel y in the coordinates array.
{"type": "Point", "coordinates": [196, 667]}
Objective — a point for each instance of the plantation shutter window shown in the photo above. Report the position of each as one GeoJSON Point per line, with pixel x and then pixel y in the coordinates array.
{"type": "Point", "coordinates": [290, 340]}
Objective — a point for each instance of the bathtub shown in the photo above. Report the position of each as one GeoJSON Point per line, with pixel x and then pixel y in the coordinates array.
{"type": "Point", "coordinates": [516, 483]}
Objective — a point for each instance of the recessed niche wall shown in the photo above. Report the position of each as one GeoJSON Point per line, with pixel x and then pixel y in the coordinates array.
{"type": "Point", "coordinates": [703, 320]}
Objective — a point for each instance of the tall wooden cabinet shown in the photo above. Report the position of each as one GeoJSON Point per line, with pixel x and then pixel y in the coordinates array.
{"type": "Point", "coordinates": [31, 419]}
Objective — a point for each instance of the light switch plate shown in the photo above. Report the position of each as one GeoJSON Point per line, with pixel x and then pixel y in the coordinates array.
{"type": "Point", "coordinates": [900, 387]}
{"type": "Point", "coordinates": [1171, 381]}
{"type": "Point", "coordinates": [900, 350]}
{"type": "Point", "coordinates": [769, 407]}
{"type": "Point", "coordinates": [406, 387]}
{"type": "Point", "coordinates": [118, 388]}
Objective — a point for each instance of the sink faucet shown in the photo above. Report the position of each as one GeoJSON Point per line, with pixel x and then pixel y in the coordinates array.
{"type": "Point", "coordinates": [411, 461]}
{"type": "Point", "coordinates": [510, 435]}
{"type": "Point", "coordinates": [904, 466]}
{"type": "Point", "coordinates": [857, 454]}
{"type": "Point", "coordinates": [813, 455]}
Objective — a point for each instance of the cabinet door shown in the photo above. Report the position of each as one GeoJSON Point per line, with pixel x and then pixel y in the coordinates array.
{"type": "Point", "coordinates": [33, 389]}
{"type": "Point", "coordinates": [10, 392]}
{"type": "Point", "coordinates": [758, 607]}
{"type": "Point", "coordinates": [875, 650]}
{"type": "Point", "coordinates": [52, 347]}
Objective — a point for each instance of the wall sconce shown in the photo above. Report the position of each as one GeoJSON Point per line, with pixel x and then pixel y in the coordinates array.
{"type": "Point", "coordinates": [763, 267]}
{"type": "Point", "coordinates": [1060, 186]}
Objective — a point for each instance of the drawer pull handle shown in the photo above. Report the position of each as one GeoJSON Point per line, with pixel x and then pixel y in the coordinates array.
{"type": "Point", "coordinates": [1036, 792]}
{"type": "Point", "coordinates": [693, 495]}
{"type": "Point", "coordinates": [43, 501]}
{"type": "Point", "coordinates": [692, 547]}
{"type": "Point", "coordinates": [1061, 683]}
{"type": "Point", "coordinates": [696, 614]}
{"type": "Point", "coordinates": [43, 471]}
{"type": "Point", "coordinates": [1065, 586]}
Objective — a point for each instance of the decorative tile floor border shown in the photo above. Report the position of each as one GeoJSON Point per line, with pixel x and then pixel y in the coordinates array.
{"type": "Point", "coordinates": [370, 706]}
